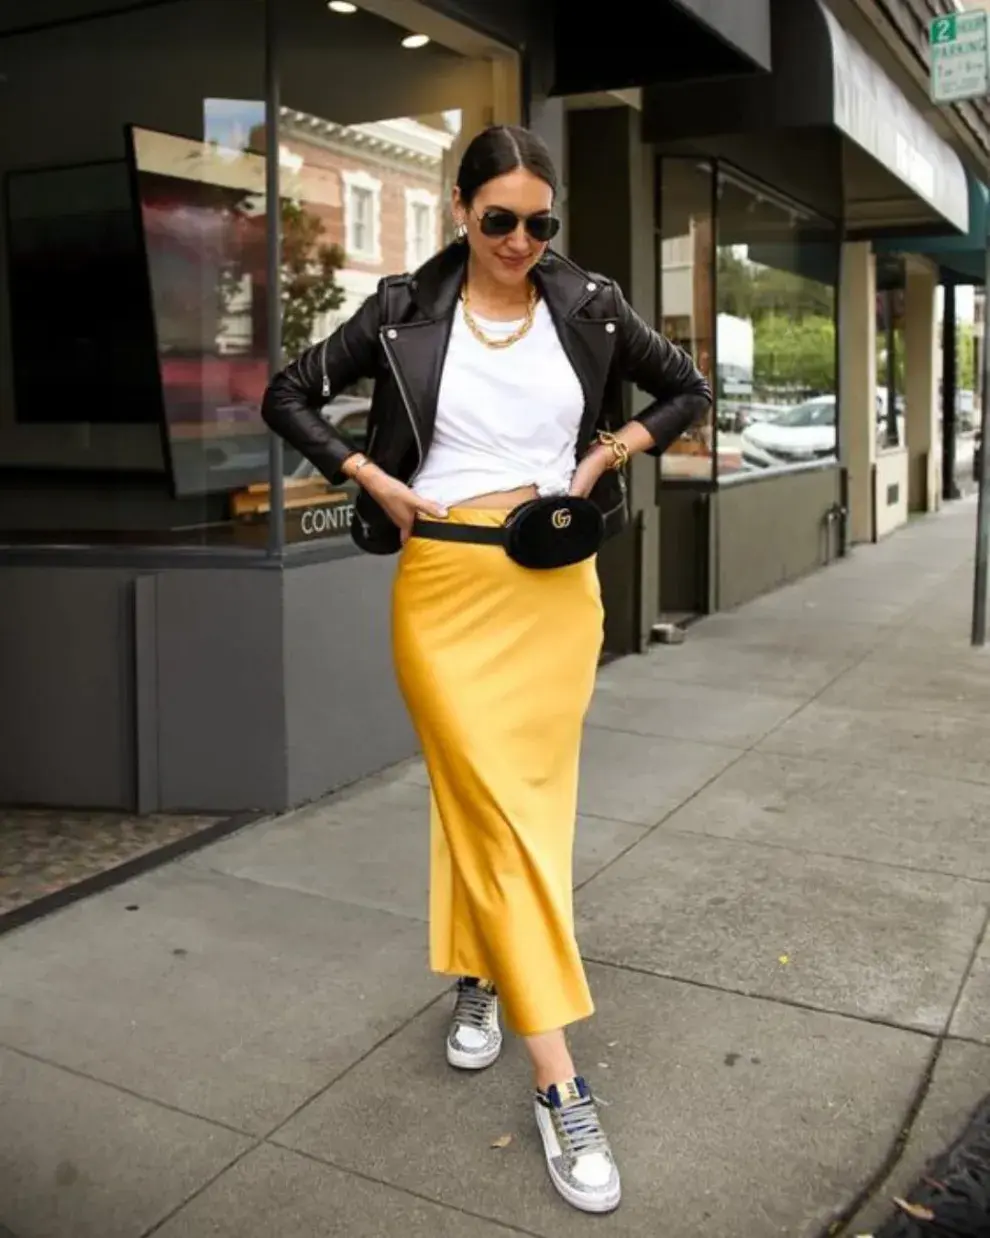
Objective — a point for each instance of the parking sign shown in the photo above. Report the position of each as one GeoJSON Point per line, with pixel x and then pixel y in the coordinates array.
{"type": "Point", "coordinates": [959, 56]}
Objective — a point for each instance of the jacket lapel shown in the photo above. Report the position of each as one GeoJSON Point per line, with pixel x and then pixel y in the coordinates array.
{"type": "Point", "coordinates": [417, 348]}
{"type": "Point", "coordinates": [588, 341]}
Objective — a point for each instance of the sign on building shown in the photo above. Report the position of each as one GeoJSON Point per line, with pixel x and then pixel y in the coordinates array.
{"type": "Point", "coordinates": [960, 56]}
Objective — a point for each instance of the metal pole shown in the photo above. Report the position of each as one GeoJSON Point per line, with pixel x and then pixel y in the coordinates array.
{"type": "Point", "coordinates": [273, 253]}
{"type": "Point", "coordinates": [949, 389]}
{"type": "Point", "coordinates": [983, 511]}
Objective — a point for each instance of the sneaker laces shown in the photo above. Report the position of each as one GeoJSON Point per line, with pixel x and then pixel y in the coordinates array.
{"type": "Point", "coordinates": [581, 1128]}
{"type": "Point", "coordinates": [474, 1006]}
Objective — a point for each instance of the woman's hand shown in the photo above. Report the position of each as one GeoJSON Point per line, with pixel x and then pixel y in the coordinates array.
{"type": "Point", "coordinates": [591, 468]}
{"type": "Point", "coordinates": [396, 500]}
{"type": "Point", "coordinates": [633, 436]}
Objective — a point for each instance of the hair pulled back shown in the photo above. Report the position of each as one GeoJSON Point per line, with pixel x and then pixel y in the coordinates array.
{"type": "Point", "coordinates": [501, 149]}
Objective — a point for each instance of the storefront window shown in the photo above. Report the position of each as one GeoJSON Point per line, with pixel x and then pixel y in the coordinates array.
{"type": "Point", "coordinates": [371, 131]}
{"type": "Point", "coordinates": [131, 366]}
{"type": "Point", "coordinates": [134, 290]}
{"type": "Point", "coordinates": [687, 292]}
{"type": "Point", "coordinates": [776, 277]}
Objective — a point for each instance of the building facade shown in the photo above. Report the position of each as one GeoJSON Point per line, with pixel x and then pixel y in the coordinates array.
{"type": "Point", "coordinates": [186, 623]}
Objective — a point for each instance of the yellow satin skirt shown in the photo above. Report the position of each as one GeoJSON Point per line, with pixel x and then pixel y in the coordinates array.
{"type": "Point", "coordinates": [497, 666]}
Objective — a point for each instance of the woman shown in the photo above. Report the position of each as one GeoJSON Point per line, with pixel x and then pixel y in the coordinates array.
{"type": "Point", "coordinates": [499, 367]}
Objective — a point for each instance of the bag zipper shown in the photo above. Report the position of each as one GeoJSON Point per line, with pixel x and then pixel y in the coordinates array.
{"type": "Point", "coordinates": [400, 383]}
{"type": "Point", "coordinates": [620, 506]}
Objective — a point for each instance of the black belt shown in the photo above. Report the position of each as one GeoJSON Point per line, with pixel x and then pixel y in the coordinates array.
{"type": "Point", "coordinates": [551, 532]}
{"type": "Point", "coordinates": [475, 534]}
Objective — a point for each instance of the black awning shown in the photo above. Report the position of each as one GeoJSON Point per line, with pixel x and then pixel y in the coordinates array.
{"type": "Point", "coordinates": [636, 42]}
{"type": "Point", "coordinates": [895, 170]}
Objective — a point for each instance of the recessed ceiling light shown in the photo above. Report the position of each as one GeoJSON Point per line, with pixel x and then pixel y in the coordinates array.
{"type": "Point", "coordinates": [415, 40]}
{"type": "Point", "coordinates": [342, 6]}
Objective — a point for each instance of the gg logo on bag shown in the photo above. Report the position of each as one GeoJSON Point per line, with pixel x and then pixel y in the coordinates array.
{"type": "Point", "coordinates": [561, 518]}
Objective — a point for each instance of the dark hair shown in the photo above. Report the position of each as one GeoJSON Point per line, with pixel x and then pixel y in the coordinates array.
{"type": "Point", "coordinates": [502, 149]}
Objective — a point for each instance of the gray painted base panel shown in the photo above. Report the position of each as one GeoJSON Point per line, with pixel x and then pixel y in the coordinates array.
{"type": "Point", "coordinates": [213, 689]}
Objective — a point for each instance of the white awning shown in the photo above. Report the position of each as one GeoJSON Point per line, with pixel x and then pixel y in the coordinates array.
{"type": "Point", "coordinates": [872, 111]}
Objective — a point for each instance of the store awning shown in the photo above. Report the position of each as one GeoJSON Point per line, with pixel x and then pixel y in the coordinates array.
{"type": "Point", "coordinates": [896, 172]}
{"type": "Point", "coordinates": [871, 110]}
{"type": "Point", "coordinates": [634, 44]}
{"type": "Point", "coordinates": [962, 259]}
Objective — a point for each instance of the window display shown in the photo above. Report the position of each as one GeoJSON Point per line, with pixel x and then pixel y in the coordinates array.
{"type": "Point", "coordinates": [137, 232]}
{"type": "Point", "coordinates": [748, 286]}
{"type": "Point", "coordinates": [776, 278]}
{"type": "Point", "coordinates": [368, 180]}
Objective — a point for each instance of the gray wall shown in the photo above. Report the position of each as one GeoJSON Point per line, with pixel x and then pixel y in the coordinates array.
{"type": "Point", "coordinates": [686, 549]}
{"type": "Point", "coordinates": [771, 530]}
{"type": "Point", "coordinates": [344, 715]}
{"type": "Point", "coordinates": [220, 705]}
{"type": "Point", "coordinates": [722, 547]}
{"type": "Point", "coordinates": [222, 689]}
{"type": "Point", "coordinates": [67, 702]}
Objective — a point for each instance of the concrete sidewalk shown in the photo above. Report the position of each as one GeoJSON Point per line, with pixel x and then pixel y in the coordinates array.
{"type": "Point", "coordinates": [785, 886]}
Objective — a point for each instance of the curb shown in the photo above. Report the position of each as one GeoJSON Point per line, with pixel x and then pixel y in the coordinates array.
{"type": "Point", "coordinates": [952, 1197]}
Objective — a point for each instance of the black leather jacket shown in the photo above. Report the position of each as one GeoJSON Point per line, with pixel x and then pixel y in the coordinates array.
{"type": "Point", "coordinates": [399, 337]}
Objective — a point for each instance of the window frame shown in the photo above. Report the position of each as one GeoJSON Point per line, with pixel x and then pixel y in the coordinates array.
{"type": "Point", "coordinates": [416, 197]}
{"type": "Point", "coordinates": [722, 171]}
{"type": "Point", "coordinates": [357, 178]}
{"type": "Point", "coordinates": [729, 173]}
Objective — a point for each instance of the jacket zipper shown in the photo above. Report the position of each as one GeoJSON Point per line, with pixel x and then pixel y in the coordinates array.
{"type": "Point", "coordinates": [403, 392]}
{"type": "Point", "coordinates": [323, 365]}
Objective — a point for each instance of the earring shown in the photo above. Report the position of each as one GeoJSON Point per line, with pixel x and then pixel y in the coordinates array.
{"type": "Point", "coordinates": [461, 232]}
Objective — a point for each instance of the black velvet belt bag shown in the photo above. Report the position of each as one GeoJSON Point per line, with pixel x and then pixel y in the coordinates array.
{"type": "Point", "coordinates": [539, 534]}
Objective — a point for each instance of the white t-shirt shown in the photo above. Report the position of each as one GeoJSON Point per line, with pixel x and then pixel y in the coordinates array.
{"type": "Point", "coordinates": [506, 417]}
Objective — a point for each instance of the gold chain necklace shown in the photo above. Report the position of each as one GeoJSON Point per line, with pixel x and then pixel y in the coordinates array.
{"type": "Point", "coordinates": [503, 341]}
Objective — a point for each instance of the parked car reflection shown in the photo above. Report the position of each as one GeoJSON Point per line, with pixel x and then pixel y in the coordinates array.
{"type": "Point", "coordinates": [796, 435]}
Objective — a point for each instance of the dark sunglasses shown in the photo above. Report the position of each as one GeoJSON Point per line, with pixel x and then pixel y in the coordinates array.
{"type": "Point", "coordinates": [499, 221]}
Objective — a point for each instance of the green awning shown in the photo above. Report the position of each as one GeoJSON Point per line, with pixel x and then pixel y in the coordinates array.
{"type": "Point", "coordinates": [962, 258]}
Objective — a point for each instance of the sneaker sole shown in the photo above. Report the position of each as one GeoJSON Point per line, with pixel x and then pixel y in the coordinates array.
{"type": "Point", "coordinates": [473, 1061]}
{"type": "Point", "coordinates": [604, 1204]}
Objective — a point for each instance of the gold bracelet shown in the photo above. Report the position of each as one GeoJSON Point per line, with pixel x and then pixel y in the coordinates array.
{"type": "Point", "coordinates": [619, 450]}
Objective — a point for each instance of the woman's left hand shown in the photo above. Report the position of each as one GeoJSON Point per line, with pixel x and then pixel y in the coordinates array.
{"type": "Point", "coordinates": [591, 468]}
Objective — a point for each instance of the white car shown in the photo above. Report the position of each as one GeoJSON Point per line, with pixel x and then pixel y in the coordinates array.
{"type": "Point", "coordinates": [797, 435]}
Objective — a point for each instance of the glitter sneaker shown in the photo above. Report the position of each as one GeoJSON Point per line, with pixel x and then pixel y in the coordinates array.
{"type": "Point", "coordinates": [475, 1038]}
{"type": "Point", "coordinates": [579, 1158]}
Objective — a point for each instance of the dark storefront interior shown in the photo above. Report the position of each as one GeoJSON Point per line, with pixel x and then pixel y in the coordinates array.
{"type": "Point", "coordinates": [142, 230]}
